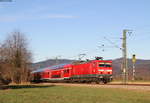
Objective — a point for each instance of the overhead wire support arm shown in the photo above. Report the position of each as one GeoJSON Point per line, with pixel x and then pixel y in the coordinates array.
{"type": "Point", "coordinates": [112, 43]}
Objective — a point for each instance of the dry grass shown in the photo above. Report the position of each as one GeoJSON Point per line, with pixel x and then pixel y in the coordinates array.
{"type": "Point", "coordinates": [70, 94]}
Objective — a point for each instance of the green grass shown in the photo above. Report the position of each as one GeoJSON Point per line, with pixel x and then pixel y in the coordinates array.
{"type": "Point", "coordinates": [66, 94]}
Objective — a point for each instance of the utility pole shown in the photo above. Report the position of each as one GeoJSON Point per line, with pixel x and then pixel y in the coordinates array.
{"type": "Point", "coordinates": [124, 62]}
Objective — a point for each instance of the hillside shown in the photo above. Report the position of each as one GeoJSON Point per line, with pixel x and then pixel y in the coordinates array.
{"type": "Point", "coordinates": [142, 67]}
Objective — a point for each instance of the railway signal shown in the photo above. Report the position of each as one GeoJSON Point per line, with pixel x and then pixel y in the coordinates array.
{"type": "Point", "coordinates": [133, 58]}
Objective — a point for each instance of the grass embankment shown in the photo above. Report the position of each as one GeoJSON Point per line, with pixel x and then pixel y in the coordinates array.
{"type": "Point", "coordinates": [67, 94]}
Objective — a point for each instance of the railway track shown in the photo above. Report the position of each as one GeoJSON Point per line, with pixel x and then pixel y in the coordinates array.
{"type": "Point", "coordinates": [130, 84]}
{"type": "Point", "coordinates": [121, 84]}
{"type": "Point", "coordinates": [143, 87]}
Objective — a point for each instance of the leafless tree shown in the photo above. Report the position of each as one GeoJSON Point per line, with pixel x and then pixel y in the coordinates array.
{"type": "Point", "coordinates": [15, 57]}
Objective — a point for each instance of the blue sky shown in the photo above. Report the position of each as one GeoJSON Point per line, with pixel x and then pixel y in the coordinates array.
{"type": "Point", "coordinates": [66, 28]}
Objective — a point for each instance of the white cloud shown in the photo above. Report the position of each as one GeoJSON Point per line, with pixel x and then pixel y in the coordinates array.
{"type": "Point", "coordinates": [38, 13]}
{"type": "Point", "coordinates": [60, 16]}
{"type": "Point", "coordinates": [14, 18]}
{"type": "Point", "coordinates": [10, 18]}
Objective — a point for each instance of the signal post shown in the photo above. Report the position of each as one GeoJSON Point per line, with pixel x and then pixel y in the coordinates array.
{"type": "Point", "coordinates": [133, 66]}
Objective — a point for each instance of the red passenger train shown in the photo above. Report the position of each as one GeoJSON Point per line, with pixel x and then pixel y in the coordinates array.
{"type": "Point", "coordinates": [89, 71]}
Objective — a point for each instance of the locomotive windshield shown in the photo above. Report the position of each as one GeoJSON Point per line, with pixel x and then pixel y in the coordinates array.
{"type": "Point", "coordinates": [104, 64]}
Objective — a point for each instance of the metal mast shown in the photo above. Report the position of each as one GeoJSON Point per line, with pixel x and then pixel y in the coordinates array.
{"type": "Point", "coordinates": [124, 62]}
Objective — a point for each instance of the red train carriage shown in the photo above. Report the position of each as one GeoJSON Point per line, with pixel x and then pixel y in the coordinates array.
{"type": "Point", "coordinates": [89, 71]}
{"type": "Point", "coordinates": [53, 73]}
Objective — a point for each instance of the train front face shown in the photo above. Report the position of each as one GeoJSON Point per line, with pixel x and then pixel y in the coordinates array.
{"type": "Point", "coordinates": [104, 70]}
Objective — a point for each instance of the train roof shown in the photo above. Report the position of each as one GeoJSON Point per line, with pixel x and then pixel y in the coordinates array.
{"type": "Point", "coordinates": [101, 60]}
{"type": "Point", "coordinates": [38, 70]}
{"type": "Point", "coordinates": [58, 66]}
{"type": "Point", "coordinates": [51, 67]}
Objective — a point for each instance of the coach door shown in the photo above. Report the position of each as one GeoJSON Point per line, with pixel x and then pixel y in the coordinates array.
{"type": "Point", "coordinates": [66, 72]}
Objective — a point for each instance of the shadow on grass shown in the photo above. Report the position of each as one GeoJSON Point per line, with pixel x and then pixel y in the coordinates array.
{"type": "Point", "coordinates": [24, 86]}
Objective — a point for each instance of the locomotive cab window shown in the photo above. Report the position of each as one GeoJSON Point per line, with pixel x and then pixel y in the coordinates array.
{"type": "Point", "coordinates": [101, 65]}
{"type": "Point", "coordinates": [107, 65]}
{"type": "Point", "coordinates": [104, 64]}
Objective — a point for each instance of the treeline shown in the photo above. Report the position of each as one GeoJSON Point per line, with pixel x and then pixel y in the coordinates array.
{"type": "Point", "coordinates": [15, 59]}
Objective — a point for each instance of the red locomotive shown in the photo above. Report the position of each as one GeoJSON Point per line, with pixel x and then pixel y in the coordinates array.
{"type": "Point", "coordinates": [89, 71]}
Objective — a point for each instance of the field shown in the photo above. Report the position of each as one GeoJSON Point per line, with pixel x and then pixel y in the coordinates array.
{"type": "Point", "coordinates": [71, 94]}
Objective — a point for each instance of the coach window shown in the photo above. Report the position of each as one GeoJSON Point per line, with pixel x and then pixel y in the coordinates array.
{"type": "Point", "coordinates": [65, 71]}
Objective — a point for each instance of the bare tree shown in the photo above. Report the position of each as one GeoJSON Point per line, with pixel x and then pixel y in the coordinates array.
{"type": "Point", "coordinates": [16, 57]}
{"type": "Point", "coordinates": [4, 65]}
